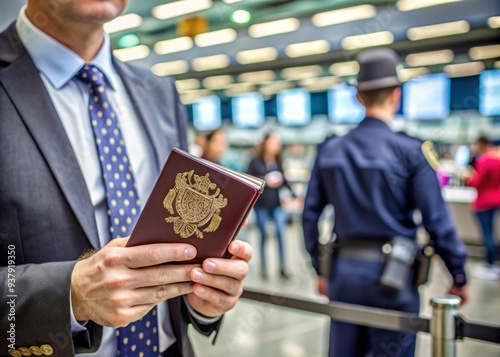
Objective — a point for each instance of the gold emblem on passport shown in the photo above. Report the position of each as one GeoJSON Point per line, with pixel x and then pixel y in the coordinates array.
{"type": "Point", "coordinates": [198, 202]}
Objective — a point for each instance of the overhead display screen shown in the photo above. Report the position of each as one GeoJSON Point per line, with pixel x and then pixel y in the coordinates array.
{"type": "Point", "coordinates": [489, 93]}
{"type": "Point", "coordinates": [248, 110]}
{"type": "Point", "coordinates": [343, 107]}
{"type": "Point", "coordinates": [207, 113]}
{"type": "Point", "coordinates": [464, 93]}
{"type": "Point", "coordinates": [294, 107]}
{"type": "Point", "coordinates": [427, 97]}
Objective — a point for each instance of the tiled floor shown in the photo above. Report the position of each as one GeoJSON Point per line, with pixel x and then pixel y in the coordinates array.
{"type": "Point", "coordinates": [256, 329]}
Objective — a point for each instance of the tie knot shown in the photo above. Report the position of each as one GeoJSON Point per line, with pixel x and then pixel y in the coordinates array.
{"type": "Point", "coordinates": [90, 74]}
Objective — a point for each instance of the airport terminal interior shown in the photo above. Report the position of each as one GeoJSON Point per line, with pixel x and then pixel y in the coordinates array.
{"type": "Point", "coordinates": [288, 66]}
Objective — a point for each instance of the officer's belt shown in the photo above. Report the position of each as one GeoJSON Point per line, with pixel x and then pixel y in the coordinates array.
{"type": "Point", "coordinates": [369, 250]}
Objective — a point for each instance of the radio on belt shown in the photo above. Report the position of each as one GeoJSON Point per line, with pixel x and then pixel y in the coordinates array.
{"type": "Point", "coordinates": [400, 255]}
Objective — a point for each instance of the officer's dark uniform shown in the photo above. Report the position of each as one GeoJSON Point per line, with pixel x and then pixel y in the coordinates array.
{"type": "Point", "coordinates": [375, 179]}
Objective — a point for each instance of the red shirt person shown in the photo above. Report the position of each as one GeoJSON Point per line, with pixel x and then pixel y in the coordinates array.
{"type": "Point", "coordinates": [486, 180]}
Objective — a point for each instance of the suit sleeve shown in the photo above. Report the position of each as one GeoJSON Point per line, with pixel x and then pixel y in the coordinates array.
{"type": "Point", "coordinates": [426, 194]}
{"type": "Point", "coordinates": [37, 310]}
{"type": "Point", "coordinates": [314, 203]}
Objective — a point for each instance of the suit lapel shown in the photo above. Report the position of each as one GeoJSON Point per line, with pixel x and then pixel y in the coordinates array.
{"type": "Point", "coordinates": [28, 93]}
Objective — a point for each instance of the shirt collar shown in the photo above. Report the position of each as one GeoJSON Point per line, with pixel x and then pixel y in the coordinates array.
{"type": "Point", "coordinates": [58, 63]}
{"type": "Point", "coordinates": [374, 122]}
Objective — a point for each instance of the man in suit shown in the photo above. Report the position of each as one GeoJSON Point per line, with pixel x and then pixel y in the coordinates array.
{"type": "Point", "coordinates": [376, 179]}
{"type": "Point", "coordinates": [59, 199]}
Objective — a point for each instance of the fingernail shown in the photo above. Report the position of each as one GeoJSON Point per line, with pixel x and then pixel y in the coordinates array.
{"type": "Point", "coordinates": [201, 289]}
{"type": "Point", "coordinates": [236, 246]}
{"type": "Point", "coordinates": [211, 266]}
{"type": "Point", "coordinates": [198, 275]}
{"type": "Point", "coordinates": [189, 252]}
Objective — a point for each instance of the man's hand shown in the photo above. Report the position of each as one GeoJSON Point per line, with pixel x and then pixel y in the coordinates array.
{"type": "Point", "coordinates": [219, 282]}
{"type": "Point", "coordinates": [322, 286]}
{"type": "Point", "coordinates": [462, 293]}
{"type": "Point", "coordinates": [118, 284]}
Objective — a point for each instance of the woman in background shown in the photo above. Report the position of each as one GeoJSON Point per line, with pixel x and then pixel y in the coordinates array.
{"type": "Point", "coordinates": [267, 164]}
{"type": "Point", "coordinates": [215, 145]}
{"type": "Point", "coordinates": [486, 179]}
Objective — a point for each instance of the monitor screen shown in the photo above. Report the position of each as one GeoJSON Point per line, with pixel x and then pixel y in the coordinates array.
{"type": "Point", "coordinates": [427, 97]}
{"type": "Point", "coordinates": [319, 103]}
{"type": "Point", "coordinates": [248, 110]}
{"type": "Point", "coordinates": [489, 93]}
{"type": "Point", "coordinates": [464, 93]}
{"type": "Point", "coordinates": [294, 107]}
{"type": "Point", "coordinates": [207, 113]}
{"type": "Point", "coordinates": [343, 107]}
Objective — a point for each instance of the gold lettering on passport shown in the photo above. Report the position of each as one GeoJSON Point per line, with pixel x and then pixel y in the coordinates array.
{"type": "Point", "coordinates": [198, 201]}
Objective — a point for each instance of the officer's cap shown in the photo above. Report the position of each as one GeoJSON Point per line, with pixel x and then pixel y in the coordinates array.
{"type": "Point", "coordinates": [378, 69]}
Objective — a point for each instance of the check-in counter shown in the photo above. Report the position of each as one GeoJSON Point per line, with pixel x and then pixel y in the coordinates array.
{"type": "Point", "coordinates": [459, 200]}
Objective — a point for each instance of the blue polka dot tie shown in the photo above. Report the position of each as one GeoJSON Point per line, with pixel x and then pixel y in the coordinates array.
{"type": "Point", "coordinates": [141, 337]}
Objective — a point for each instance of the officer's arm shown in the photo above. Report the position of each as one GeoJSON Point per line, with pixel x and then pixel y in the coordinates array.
{"type": "Point", "coordinates": [479, 176]}
{"type": "Point", "coordinates": [315, 202]}
{"type": "Point", "coordinates": [426, 194]}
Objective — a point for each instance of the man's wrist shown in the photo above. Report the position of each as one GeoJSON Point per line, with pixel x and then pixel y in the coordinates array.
{"type": "Point", "coordinates": [202, 319]}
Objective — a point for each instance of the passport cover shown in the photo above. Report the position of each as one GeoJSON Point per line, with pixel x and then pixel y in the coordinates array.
{"type": "Point", "coordinates": [197, 202]}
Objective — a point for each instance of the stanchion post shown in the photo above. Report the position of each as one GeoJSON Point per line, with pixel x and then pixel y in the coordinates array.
{"type": "Point", "coordinates": [443, 325]}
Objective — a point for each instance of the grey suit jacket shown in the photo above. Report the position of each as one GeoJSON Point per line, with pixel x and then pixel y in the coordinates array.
{"type": "Point", "coordinates": [45, 211]}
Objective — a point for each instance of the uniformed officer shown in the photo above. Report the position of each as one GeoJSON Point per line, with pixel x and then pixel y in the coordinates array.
{"type": "Point", "coordinates": [376, 179]}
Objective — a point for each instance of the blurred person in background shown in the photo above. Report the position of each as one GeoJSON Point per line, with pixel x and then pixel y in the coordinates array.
{"type": "Point", "coordinates": [486, 179]}
{"type": "Point", "coordinates": [267, 164]}
{"type": "Point", "coordinates": [198, 145]}
{"type": "Point", "coordinates": [214, 146]}
{"type": "Point", "coordinates": [375, 179]}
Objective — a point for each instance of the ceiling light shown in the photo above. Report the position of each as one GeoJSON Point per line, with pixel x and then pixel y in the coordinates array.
{"type": "Point", "coordinates": [307, 48]}
{"type": "Point", "coordinates": [301, 72]}
{"type": "Point", "coordinates": [128, 40]}
{"type": "Point", "coordinates": [273, 27]}
{"type": "Point", "coordinates": [409, 5]}
{"type": "Point", "coordinates": [179, 8]}
{"type": "Point", "coordinates": [464, 69]}
{"type": "Point", "coordinates": [430, 58]}
{"type": "Point", "coordinates": [231, 1]}
{"type": "Point", "coordinates": [215, 38]}
{"type": "Point", "coordinates": [239, 88]}
{"type": "Point", "coordinates": [184, 85]}
{"type": "Point", "coordinates": [240, 17]}
{"type": "Point", "coordinates": [484, 52]}
{"type": "Point", "coordinates": [367, 40]}
{"type": "Point", "coordinates": [494, 22]}
{"type": "Point", "coordinates": [319, 83]}
{"type": "Point", "coordinates": [132, 53]}
{"type": "Point", "coordinates": [170, 68]}
{"type": "Point", "coordinates": [192, 96]}
{"type": "Point", "coordinates": [275, 87]}
{"type": "Point", "coordinates": [123, 22]}
{"type": "Point", "coordinates": [344, 15]}
{"type": "Point", "coordinates": [257, 55]}
{"type": "Point", "coordinates": [218, 82]}
{"type": "Point", "coordinates": [438, 30]}
{"type": "Point", "coordinates": [405, 74]}
{"type": "Point", "coordinates": [343, 69]}
{"type": "Point", "coordinates": [257, 77]}
{"type": "Point", "coordinates": [175, 45]}
{"type": "Point", "coordinates": [210, 62]}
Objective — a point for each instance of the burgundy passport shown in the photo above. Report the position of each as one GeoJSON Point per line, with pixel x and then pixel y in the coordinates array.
{"type": "Point", "coordinates": [197, 202]}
